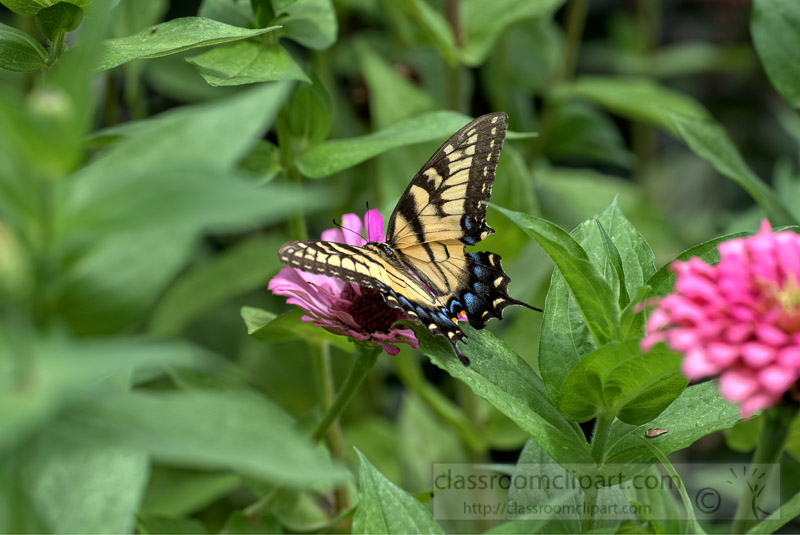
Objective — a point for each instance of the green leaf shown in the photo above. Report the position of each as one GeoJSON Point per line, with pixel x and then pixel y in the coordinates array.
{"type": "Point", "coordinates": [383, 507]}
{"type": "Point", "coordinates": [639, 99]}
{"type": "Point", "coordinates": [170, 37]}
{"type": "Point", "coordinates": [590, 290]}
{"type": "Point", "coordinates": [743, 437]}
{"type": "Point", "coordinates": [17, 513]}
{"type": "Point", "coordinates": [61, 17]}
{"type": "Point", "coordinates": [71, 371]}
{"type": "Point", "coordinates": [709, 140]}
{"type": "Point", "coordinates": [697, 412]}
{"type": "Point", "coordinates": [424, 440]}
{"type": "Point", "coordinates": [616, 378]}
{"type": "Point", "coordinates": [173, 492]}
{"type": "Point", "coordinates": [270, 327]}
{"type": "Point", "coordinates": [691, 519]}
{"type": "Point", "coordinates": [242, 268]}
{"type": "Point", "coordinates": [788, 511]}
{"type": "Point", "coordinates": [280, 6]}
{"type": "Point", "coordinates": [506, 381]}
{"type": "Point", "coordinates": [793, 441]}
{"type": "Point", "coordinates": [131, 16]}
{"type": "Point", "coordinates": [233, 13]}
{"type": "Point", "coordinates": [32, 7]}
{"type": "Point", "coordinates": [774, 25]}
{"type": "Point", "coordinates": [662, 512]}
{"type": "Point", "coordinates": [565, 335]}
{"type": "Point", "coordinates": [615, 260]}
{"type": "Point", "coordinates": [19, 51]}
{"type": "Point", "coordinates": [387, 87]}
{"type": "Point", "coordinates": [334, 156]}
{"type": "Point", "coordinates": [208, 429]}
{"type": "Point", "coordinates": [239, 523]}
{"type": "Point", "coordinates": [663, 280]}
{"type": "Point", "coordinates": [247, 62]}
{"type": "Point", "coordinates": [147, 524]}
{"type": "Point", "coordinates": [310, 113]}
{"type": "Point", "coordinates": [580, 131]}
{"type": "Point", "coordinates": [157, 191]}
{"type": "Point", "coordinates": [312, 23]}
{"type": "Point", "coordinates": [435, 27]}
{"type": "Point", "coordinates": [483, 22]}
{"type": "Point", "coordinates": [214, 135]}
{"type": "Point", "coordinates": [84, 488]}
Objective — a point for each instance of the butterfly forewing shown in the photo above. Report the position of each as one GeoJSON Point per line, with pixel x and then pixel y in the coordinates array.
{"type": "Point", "coordinates": [444, 200]}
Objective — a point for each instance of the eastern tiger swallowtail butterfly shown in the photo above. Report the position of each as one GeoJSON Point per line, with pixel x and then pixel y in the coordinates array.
{"type": "Point", "coordinates": [423, 267]}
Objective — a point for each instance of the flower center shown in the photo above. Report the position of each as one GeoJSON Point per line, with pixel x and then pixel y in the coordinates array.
{"type": "Point", "coordinates": [787, 299]}
{"type": "Point", "coordinates": [370, 311]}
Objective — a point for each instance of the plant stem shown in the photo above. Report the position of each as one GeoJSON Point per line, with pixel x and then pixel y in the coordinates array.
{"type": "Point", "coordinates": [297, 222]}
{"type": "Point", "coordinates": [576, 20]}
{"type": "Point", "coordinates": [365, 359]}
{"type": "Point", "coordinates": [327, 395]}
{"type": "Point", "coordinates": [770, 446]}
{"type": "Point", "coordinates": [643, 136]}
{"type": "Point", "coordinates": [602, 427]}
{"type": "Point", "coordinates": [455, 85]}
{"type": "Point", "coordinates": [366, 355]}
{"type": "Point", "coordinates": [56, 48]}
{"type": "Point", "coordinates": [600, 435]}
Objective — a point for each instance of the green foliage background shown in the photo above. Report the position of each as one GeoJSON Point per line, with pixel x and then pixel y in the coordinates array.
{"type": "Point", "coordinates": [154, 155]}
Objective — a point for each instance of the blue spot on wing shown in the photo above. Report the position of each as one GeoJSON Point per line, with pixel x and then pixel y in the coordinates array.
{"type": "Point", "coordinates": [472, 301]}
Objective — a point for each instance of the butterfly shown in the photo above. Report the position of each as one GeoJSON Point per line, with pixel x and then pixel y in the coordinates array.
{"type": "Point", "coordinates": [423, 267]}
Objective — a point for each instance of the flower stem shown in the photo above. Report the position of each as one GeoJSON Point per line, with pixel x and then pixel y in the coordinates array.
{"type": "Point", "coordinates": [327, 396]}
{"type": "Point", "coordinates": [365, 359]}
{"type": "Point", "coordinates": [770, 447]}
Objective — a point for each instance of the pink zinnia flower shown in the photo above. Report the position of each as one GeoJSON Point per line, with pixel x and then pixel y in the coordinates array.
{"type": "Point", "coordinates": [739, 319]}
{"type": "Point", "coordinates": [343, 307]}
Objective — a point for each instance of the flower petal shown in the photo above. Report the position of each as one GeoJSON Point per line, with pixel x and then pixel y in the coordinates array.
{"type": "Point", "coordinates": [374, 225]}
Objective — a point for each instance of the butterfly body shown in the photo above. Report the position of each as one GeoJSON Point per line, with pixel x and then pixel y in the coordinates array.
{"type": "Point", "coordinates": [423, 267]}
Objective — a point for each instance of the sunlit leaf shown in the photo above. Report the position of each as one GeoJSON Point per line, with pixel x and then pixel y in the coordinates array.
{"type": "Point", "coordinates": [247, 62]}
{"type": "Point", "coordinates": [170, 37]}
{"type": "Point", "coordinates": [19, 51]}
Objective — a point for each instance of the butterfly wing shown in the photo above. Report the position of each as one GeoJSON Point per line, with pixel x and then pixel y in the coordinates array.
{"type": "Point", "coordinates": [442, 211]}
{"type": "Point", "coordinates": [370, 268]}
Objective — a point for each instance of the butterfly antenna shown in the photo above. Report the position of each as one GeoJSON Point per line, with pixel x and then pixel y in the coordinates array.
{"type": "Point", "coordinates": [348, 230]}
